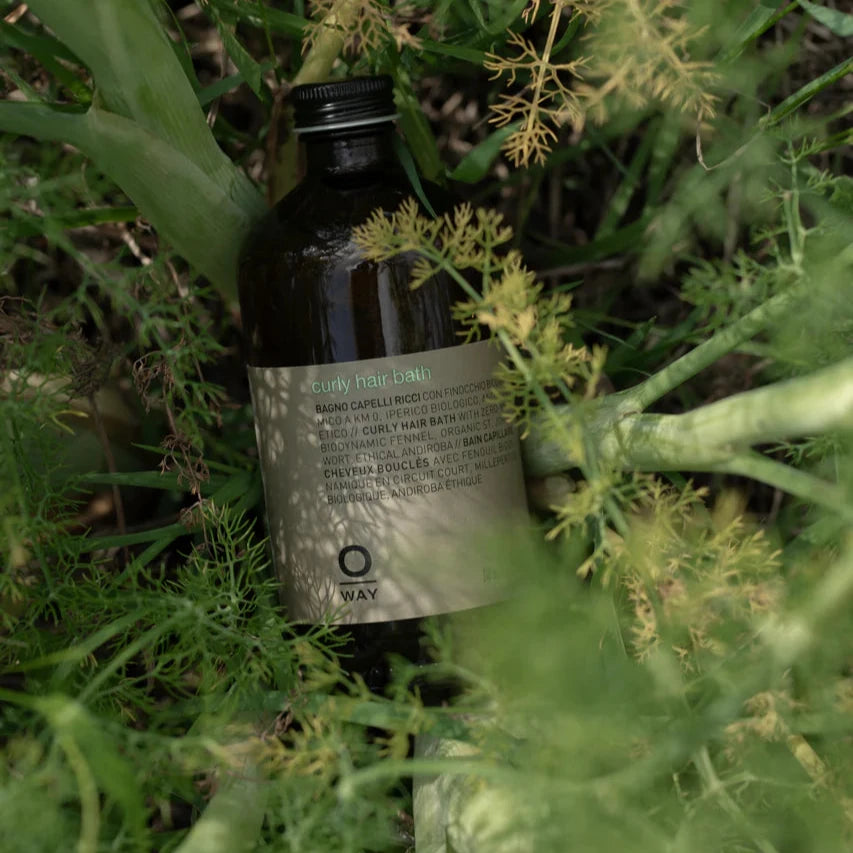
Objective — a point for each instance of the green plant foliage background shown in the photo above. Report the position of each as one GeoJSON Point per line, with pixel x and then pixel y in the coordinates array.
{"type": "Point", "coordinates": [658, 231]}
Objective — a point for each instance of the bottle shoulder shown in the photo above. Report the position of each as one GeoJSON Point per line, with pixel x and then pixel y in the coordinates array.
{"type": "Point", "coordinates": [322, 211]}
{"type": "Point", "coordinates": [319, 216]}
{"type": "Point", "coordinates": [308, 296]}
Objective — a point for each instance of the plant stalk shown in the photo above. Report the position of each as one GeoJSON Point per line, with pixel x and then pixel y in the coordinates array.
{"type": "Point", "coordinates": [328, 44]}
{"type": "Point", "coordinates": [317, 66]}
{"type": "Point", "coordinates": [791, 480]}
{"type": "Point", "coordinates": [641, 396]}
{"type": "Point", "coordinates": [232, 820]}
{"type": "Point", "coordinates": [716, 437]}
{"type": "Point", "coordinates": [819, 402]}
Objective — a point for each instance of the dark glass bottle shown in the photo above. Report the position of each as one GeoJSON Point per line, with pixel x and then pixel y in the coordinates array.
{"type": "Point", "coordinates": [309, 299]}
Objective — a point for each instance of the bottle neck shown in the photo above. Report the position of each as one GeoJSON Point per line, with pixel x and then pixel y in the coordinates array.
{"type": "Point", "coordinates": [364, 149]}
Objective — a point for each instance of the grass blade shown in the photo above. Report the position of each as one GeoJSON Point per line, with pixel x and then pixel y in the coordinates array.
{"type": "Point", "coordinates": [477, 162]}
{"type": "Point", "coordinates": [457, 51]}
{"type": "Point", "coordinates": [416, 128]}
{"type": "Point", "coordinates": [759, 20]}
{"type": "Point", "coordinates": [806, 93]}
{"type": "Point", "coordinates": [836, 21]}
{"type": "Point", "coordinates": [250, 69]}
{"type": "Point", "coordinates": [221, 87]}
{"type": "Point", "coordinates": [72, 655]}
{"type": "Point", "coordinates": [620, 200]}
{"type": "Point", "coordinates": [265, 17]}
{"type": "Point", "coordinates": [625, 239]}
{"type": "Point", "coordinates": [78, 219]}
{"type": "Point", "coordinates": [123, 540]}
{"type": "Point", "coordinates": [167, 480]}
{"type": "Point", "coordinates": [408, 164]}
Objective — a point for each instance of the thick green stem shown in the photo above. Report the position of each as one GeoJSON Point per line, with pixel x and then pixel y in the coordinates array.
{"type": "Point", "coordinates": [712, 434]}
{"type": "Point", "coordinates": [87, 790]}
{"type": "Point", "coordinates": [715, 437]}
{"type": "Point", "coordinates": [232, 820]}
{"type": "Point", "coordinates": [816, 403]}
{"type": "Point", "coordinates": [791, 480]}
{"type": "Point", "coordinates": [315, 69]}
{"type": "Point", "coordinates": [641, 396]}
{"type": "Point", "coordinates": [329, 43]}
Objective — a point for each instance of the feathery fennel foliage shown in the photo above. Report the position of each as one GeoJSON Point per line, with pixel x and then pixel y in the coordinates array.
{"type": "Point", "coordinates": [364, 26]}
{"type": "Point", "coordinates": [506, 300]}
{"type": "Point", "coordinates": [636, 54]}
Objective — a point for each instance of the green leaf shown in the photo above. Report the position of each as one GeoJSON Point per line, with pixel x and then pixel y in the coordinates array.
{"type": "Point", "coordinates": [468, 54]}
{"type": "Point", "coordinates": [111, 38]}
{"type": "Point", "coordinates": [205, 219]}
{"type": "Point", "coordinates": [247, 66]}
{"type": "Point", "coordinates": [838, 22]}
{"type": "Point", "coordinates": [759, 20]}
{"type": "Point", "coordinates": [477, 162]}
{"type": "Point", "coordinates": [48, 51]}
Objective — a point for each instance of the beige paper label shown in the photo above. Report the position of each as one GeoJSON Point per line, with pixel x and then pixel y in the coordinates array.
{"type": "Point", "coordinates": [380, 478]}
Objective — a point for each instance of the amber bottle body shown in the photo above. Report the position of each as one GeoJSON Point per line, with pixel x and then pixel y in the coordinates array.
{"type": "Point", "coordinates": [307, 297]}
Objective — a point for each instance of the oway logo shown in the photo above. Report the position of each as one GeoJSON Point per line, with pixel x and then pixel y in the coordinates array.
{"type": "Point", "coordinates": [355, 561]}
